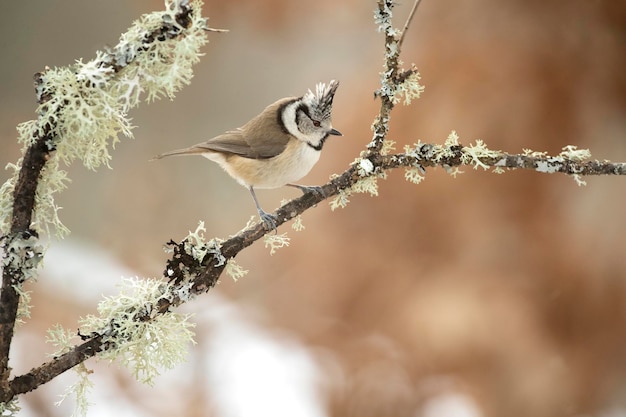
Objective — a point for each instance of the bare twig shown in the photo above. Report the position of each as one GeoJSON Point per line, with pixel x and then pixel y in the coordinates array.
{"type": "Point", "coordinates": [408, 22]}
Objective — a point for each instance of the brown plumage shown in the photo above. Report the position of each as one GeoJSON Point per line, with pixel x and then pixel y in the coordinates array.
{"type": "Point", "coordinates": [244, 141]}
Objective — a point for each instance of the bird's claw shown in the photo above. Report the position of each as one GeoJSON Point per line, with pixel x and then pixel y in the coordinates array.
{"type": "Point", "coordinates": [268, 220]}
{"type": "Point", "coordinates": [311, 189]}
{"type": "Point", "coordinates": [317, 190]}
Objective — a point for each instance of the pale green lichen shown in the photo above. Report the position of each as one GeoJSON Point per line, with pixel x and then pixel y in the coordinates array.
{"type": "Point", "coordinates": [471, 155]}
{"type": "Point", "coordinates": [46, 216]}
{"type": "Point", "coordinates": [368, 185]}
{"type": "Point", "coordinates": [579, 180]}
{"type": "Point", "coordinates": [275, 242]}
{"type": "Point", "coordinates": [534, 154]}
{"type": "Point", "coordinates": [434, 152]}
{"type": "Point", "coordinates": [234, 270]}
{"type": "Point", "coordinates": [410, 89]}
{"type": "Point", "coordinates": [341, 200]}
{"type": "Point", "coordinates": [6, 197]}
{"type": "Point", "coordinates": [554, 164]}
{"type": "Point", "coordinates": [452, 139]}
{"type": "Point", "coordinates": [86, 105]}
{"type": "Point", "coordinates": [168, 66]}
{"type": "Point", "coordinates": [80, 390]}
{"type": "Point", "coordinates": [10, 408]}
{"type": "Point", "coordinates": [454, 171]}
{"type": "Point", "coordinates": [440, 152]}
{"type": "Point", "coordinates": [412, 150]}
{"type": "Point", "coordinates": [572, 153]}
{"type": "Point", "coordinates": [23, 308]}
{"type": "Point", "coordinates": [414, 175]}
{"type": "Point", "coordinates": [297, 224]}
{"type": "Point", "coordinates": [21, 256]}
{"type": "Point", "coordinates": [88, 117]}
{"type": "Point", "coordinates": [195, 244]}
{"type": "Point", "coordinates": [136, 334]}
{"type": "Point", "coordinates": [383, 17]}
{"type": "Point", "coordinates": [388, 147]}
{"type": "Point", "coordinates": [63, 341]}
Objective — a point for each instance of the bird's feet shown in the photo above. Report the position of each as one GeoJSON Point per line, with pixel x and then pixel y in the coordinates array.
{"type": "Point", "coordinates": [310, 189]}
{"type": "Point", "coordinates": [268, 220]}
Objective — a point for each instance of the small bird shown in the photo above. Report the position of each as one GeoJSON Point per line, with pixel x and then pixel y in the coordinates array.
{"type": "Point", "coordinates": [276, 147]}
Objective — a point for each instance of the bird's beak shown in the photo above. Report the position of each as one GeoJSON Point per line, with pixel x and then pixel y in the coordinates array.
{"type": "Point", "coordinates": [335, 132]}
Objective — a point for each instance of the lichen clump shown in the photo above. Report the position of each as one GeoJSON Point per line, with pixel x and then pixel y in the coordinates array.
{"type": "Point", "coordinates": [84, 107]}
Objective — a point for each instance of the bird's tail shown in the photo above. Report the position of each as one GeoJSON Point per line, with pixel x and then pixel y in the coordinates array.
{"type": "Point", "coordinates": [180, 152]}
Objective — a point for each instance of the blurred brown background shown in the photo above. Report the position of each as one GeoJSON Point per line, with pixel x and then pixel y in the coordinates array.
{"type": "Point", "coordinates": [507, 291]}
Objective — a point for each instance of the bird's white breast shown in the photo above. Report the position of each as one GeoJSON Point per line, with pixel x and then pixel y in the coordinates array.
{"type": "Point", "coordinates": [291, 165]}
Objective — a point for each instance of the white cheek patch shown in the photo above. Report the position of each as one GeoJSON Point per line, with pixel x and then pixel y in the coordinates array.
{"type": "Point", "coordinates": [289, 120]}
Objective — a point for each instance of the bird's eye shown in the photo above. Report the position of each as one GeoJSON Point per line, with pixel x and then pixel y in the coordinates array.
{"type": "Point", "coordinates": [316, 123]}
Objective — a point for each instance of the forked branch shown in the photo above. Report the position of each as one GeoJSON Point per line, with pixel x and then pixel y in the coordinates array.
{"type": "Point", "coordinates": [190, 275]}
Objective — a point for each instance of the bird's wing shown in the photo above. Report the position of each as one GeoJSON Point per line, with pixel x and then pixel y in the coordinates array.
{"type": "Point", "coordinates": [255, 145]}
{"type": "Point", "coordinates": [264, 141]}
{"type": "Point", "coordinates": [235, 142]}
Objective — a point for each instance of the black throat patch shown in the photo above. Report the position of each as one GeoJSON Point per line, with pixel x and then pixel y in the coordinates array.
{"type": "Point", "coordinates": [320, 145]}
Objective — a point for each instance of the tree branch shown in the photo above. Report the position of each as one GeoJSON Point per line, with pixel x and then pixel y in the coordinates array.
{"type": "Point", "coordinates": [50, 370]}
{"type": "Point", "coordinates": [23, 207]}
{"type": "Point", "coordinates": [21, 240]}
{"type": "Point", "coordinates": [185, 271]}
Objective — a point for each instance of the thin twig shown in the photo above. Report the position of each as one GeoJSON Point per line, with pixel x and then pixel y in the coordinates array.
{"type": "Point", "coordinates": [408, 22]}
